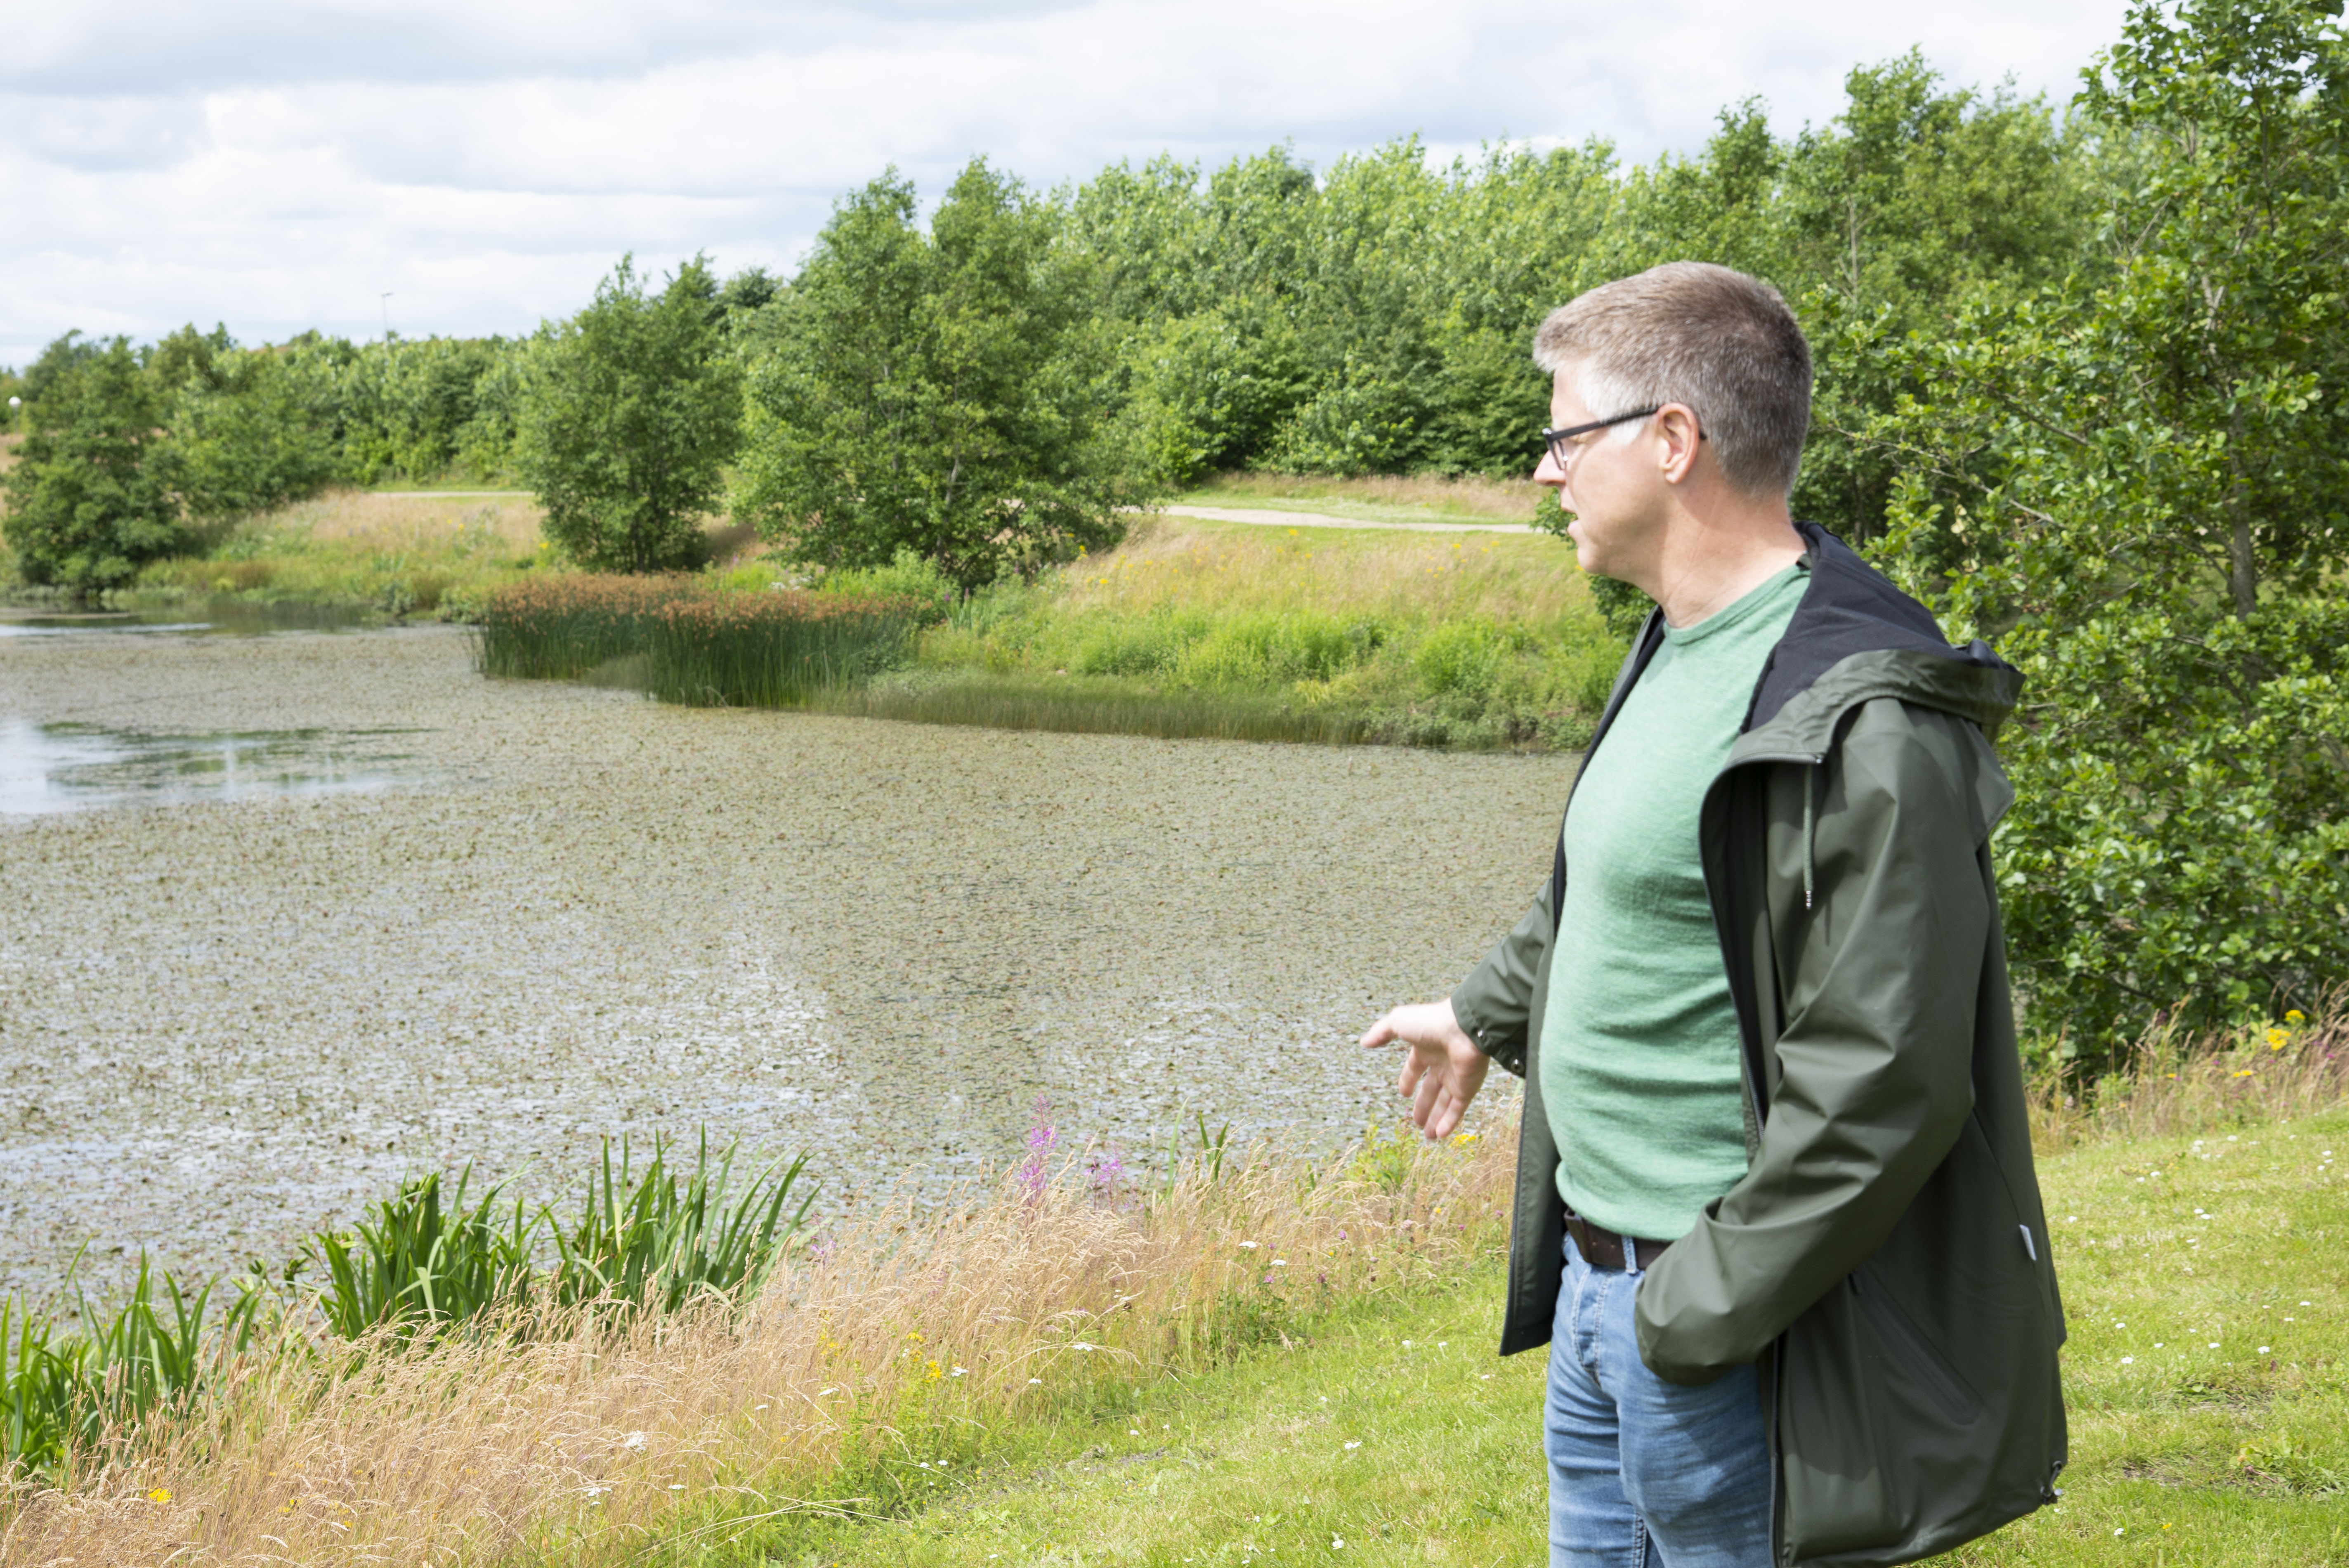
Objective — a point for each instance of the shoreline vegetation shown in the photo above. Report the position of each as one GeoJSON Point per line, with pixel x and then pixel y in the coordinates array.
{"type": "Point", "coordinates": [1277, 1354]}
{"type": "Point", "coordinates": [1189, 627]}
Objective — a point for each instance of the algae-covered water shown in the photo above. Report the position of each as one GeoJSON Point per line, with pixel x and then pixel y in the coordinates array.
{"type": "Point", "coordinates": [442, 919]}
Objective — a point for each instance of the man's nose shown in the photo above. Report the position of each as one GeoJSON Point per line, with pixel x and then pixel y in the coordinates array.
{"type": "Point", "coordinates": [1547, 472]}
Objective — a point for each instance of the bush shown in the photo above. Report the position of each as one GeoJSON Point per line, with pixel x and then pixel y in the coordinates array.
{"type": "Point", "coordinates": [908, 578]}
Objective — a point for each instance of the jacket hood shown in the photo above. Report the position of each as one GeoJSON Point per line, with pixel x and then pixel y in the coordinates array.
{"type": "Point", "coordinates": [1854, 637]}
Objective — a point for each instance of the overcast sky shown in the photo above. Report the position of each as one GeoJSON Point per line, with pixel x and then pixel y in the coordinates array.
{"type": "Point", "coordinates": [281, 166]}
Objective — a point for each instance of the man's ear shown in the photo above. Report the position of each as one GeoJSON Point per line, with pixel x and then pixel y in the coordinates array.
{"type": "Point", "coordinates": [1679, 436]}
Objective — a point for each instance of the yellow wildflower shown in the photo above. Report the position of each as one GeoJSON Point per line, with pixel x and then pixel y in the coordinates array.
{"type": "Point", "coordinates": [2295, 1016]}
{"type": "Point", "coordinates": [161, 1494]}
{"type": "Point", "coordinates": [935, 1373]}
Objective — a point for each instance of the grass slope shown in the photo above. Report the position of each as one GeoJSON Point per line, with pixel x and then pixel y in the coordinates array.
{"type": "Point", "coordinates": [1477, 639]}
{"type": "Point", "coordinates": [2206, 1277]}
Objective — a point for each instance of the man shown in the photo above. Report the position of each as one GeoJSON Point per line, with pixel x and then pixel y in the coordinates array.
{"type": "Point", "coordinates": [1776, 1213]}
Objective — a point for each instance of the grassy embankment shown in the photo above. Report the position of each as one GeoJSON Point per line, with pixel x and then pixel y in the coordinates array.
{"type": "Point", "coordinates": [1258, 1365]}
{"type": "Point", "coordinates": [1198, 627]}
{"type": "Point", "coordinates": [1201, 626]}
{"type": "Point", "coordinates": [435, 558]}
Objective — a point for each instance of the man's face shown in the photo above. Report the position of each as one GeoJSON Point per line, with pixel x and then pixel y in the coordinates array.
{"type": "Point", "coordinates": [1611, 484]}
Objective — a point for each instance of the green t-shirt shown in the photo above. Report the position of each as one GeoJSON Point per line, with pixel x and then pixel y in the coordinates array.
{"type": "Point", "coordinates": [1640, 1049]}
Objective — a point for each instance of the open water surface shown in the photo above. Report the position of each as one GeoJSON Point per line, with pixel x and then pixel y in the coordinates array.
{"type": "Point", "coordinates": [437, 918]}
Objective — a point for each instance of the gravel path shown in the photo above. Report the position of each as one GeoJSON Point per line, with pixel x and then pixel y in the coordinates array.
{"type": "Point", "coordinates": [227, 1022]}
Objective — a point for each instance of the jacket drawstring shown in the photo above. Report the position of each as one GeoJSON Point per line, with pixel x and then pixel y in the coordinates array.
{"type": "Point", "coordinates": [1810, 821]}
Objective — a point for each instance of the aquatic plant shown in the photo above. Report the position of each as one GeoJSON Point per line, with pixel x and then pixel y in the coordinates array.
{"type": "Point", "coordinates": [561, 628]}
{"type": "Point", "coordinates": [686, 640]}
{"type": "Point", "coordinates": [768, 651]}
{"type": "Point", "coordinates": [658, 1242]}
{"type": "Point", "coordinates": [414, 1262]}
{"type": "Point", "coordinates": [58, 1387]}
{"type": "Point", "coordinates": [422, 1262]}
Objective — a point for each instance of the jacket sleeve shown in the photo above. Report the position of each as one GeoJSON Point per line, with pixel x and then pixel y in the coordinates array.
{"type": "Point", "coordinates": [1496, 999]}
{"type": "Point", "coordinates": [1873, 1065]}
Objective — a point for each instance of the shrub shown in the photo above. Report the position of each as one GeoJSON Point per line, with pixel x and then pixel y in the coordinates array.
{"type": "Point", "coordinates": [1278, 647]}
{"type": "Point", "coordinates": [909, 578]}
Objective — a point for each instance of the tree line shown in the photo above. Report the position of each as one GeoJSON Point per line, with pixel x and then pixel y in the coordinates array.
{"type": "Point", "coordinates": [990, 388]}
{"type": "Point", "coordinates": [2077, 389]}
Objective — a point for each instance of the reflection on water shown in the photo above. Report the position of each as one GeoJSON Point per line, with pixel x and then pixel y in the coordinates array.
{"type": "Point", "coordinates": [230, 617]}
{"type": "Point", "coordinates": [47, 768]}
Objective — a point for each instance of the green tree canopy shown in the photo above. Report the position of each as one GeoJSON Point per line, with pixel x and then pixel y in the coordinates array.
{"type": "Point", "coordinates": [2134, 481]}
{"type": "Point", "coordinates": [630, 413]}
{"type": "Point", "coordinates": [89, 498]}
{"type": "Point", "coordinates": [941, 392]}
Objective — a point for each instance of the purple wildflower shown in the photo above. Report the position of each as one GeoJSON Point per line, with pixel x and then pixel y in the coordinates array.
{"type": "Point", "coordinates": [1035, 1172]}
{"type": "Point", "coordinates": [1108, 1174]}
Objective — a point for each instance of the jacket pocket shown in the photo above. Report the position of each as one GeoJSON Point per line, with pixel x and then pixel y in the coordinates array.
{"type": "Point", "coordinates": [1912, 1353]}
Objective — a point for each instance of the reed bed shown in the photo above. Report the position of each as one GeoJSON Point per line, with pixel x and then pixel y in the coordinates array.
{"type": "Point", "coordinates": [900, 1342]}
{"type": "Point", "coordinates": [770, 650]}
{"type": "Point", "coordinates": [559, 628]}
{"type": "Point", "coordinates": [683, 639]}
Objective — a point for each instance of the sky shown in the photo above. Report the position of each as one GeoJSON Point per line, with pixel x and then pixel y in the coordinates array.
{"type": "Point", "coordinates": [474, 166]}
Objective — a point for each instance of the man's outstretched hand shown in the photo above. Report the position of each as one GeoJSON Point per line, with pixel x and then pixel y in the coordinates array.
{"type": "Point", "coordinates": [1443, 1070]}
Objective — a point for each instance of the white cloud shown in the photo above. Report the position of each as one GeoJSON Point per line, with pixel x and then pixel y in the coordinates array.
{"type": "Point", "coordinates": [279, 166]}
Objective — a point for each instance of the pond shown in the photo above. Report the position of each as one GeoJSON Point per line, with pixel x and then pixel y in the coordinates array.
{"type": "Point", "coordinates": [232, 618]}
{"type": "Point", "coordinates": [522, 916]}
{"type": "Point", "coordinates": [75, 767]}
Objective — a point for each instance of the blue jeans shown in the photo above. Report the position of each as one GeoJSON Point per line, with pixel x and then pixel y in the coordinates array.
{"type": "Point", "coordinates": [1643, 1471]}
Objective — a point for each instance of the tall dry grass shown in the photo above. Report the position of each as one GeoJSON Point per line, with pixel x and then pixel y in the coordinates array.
{"type": "Point", "coordinates": [1468, 495]}
{"type": "Point", "coordinates": [1171, 564]}
{"type": "Point", "coordinates": [905, 1336]}
{"type": "Point", "coordinates": [412, 523]}
{"type": "Point", "coordinates": [2176, 1082]}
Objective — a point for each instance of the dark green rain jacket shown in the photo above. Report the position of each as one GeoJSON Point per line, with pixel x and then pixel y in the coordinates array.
{"type": "Point", "coordinates": [1885, 1260]}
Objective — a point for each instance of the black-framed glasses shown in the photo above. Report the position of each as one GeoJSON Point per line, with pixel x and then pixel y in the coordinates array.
{"type": "Point", "coordinates": [1556, 439]}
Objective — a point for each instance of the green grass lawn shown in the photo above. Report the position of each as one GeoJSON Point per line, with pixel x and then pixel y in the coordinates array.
{"type": "Point", "coordinates": [2204, 1279]}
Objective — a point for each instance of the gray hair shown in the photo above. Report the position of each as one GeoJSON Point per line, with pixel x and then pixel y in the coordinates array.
{"type": "Point", "coordinates": [1690, 332]}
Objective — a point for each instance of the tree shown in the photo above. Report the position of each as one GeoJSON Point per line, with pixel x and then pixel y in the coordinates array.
{"type": "Point", "coordinates": [89, 499]}
{"type": "Point", "coordinates": [630, 411]}
{"type": "Point", "coordinates": [2134, 482]}
{"type": "Point", "coordinates": [248, 432]}
{"type": "Point", "coordinates": [938, 392]}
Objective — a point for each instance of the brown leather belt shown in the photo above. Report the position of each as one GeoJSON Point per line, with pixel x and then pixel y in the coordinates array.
{"type": "Point", "coordinates": [1603, 1249]}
